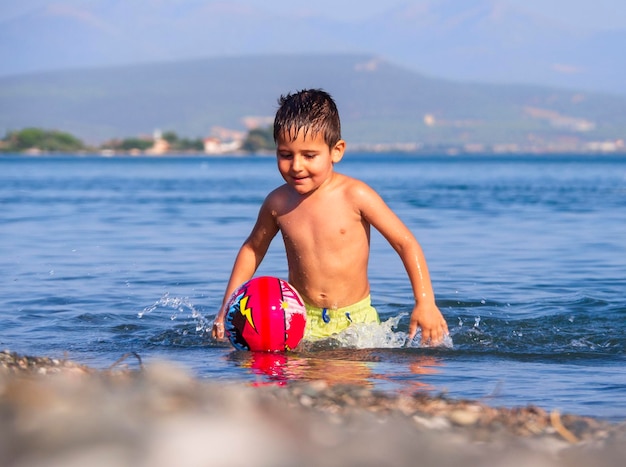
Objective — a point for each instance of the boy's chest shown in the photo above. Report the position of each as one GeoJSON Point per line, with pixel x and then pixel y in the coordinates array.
{"type": "Point", "coordinates": [328, 221]}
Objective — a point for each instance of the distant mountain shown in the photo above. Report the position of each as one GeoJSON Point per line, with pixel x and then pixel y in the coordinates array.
{"type": "Point", "coordinates": [379, 101]}
{"type": "Point", "coordinates": [491, 41]}
{"type": "Point", "coordinates": [479, 40]}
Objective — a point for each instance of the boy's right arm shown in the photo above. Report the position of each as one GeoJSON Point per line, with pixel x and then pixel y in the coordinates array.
{"type": "Point", "coordinates": [243, 269]}
{"type": "Point", "coordinates": [248, 259]}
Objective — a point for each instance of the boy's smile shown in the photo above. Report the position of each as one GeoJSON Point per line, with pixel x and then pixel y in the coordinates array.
{"type": "Point", "coordinates": [306, 163]}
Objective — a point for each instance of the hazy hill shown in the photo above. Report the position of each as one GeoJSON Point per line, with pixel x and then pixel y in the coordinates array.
{"type": "Point", "coordinates": [379, 101]}
{"type": "Point", "coordinates": [483, 40]}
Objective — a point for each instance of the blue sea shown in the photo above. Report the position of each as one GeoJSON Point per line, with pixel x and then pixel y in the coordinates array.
{"type": "Point", "coordinates": [105, 257]}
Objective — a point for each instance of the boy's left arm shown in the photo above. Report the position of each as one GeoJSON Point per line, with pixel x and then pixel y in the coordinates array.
{"type": "Point", "coordinates": [425, 313]}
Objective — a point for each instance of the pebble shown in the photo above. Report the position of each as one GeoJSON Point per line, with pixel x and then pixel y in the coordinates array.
{"type": "Point", "coordinates": [464, 417]}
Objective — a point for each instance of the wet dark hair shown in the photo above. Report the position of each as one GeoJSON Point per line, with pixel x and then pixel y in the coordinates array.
{"type": "Point", "coordinates": [311, 110]}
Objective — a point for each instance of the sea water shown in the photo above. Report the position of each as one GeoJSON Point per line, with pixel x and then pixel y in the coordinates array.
{"type": "Point", "coordinates": [102, 258]}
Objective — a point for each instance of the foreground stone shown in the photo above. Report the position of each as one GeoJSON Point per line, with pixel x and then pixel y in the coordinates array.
{"type": "Point", "coordinates": [59, 413]}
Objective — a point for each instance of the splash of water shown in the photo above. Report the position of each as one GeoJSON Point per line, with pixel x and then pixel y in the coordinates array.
{"type": "Point", "coordinates": [379, 336]}
{"type": "Point", "coordinates": [177, 306]}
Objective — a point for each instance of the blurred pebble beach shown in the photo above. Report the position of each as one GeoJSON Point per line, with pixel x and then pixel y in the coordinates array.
{"type": "Point", "coordinates": [59, 413]}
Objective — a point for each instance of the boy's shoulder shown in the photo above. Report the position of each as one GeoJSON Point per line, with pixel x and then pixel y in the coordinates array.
{"type": "Point", "coordinates": [280, 191]}
{"type": "Point", "coordinates": [278, 196]}
{"type": "Point", "coordinates": [353, 185]}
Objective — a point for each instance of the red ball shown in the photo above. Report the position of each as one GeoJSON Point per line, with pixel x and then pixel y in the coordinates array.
{"type": "Point", "coordinates": [265, 314]}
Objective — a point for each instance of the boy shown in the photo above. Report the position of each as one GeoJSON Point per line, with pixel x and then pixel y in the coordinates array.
{"type": "Point", "coordinates": [324, 218]}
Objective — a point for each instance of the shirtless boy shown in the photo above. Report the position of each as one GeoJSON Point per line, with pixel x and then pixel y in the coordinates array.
{"type": "Point", "coordinates": [325, 218]}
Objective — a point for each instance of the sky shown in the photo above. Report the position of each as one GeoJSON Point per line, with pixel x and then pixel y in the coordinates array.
{"type": "Point", "coordinates": [592, 14]}
{"type": "Point", "coordinates": [596, 14]}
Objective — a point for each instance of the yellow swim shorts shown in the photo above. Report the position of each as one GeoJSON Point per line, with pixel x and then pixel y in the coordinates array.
{"type": "Point", "coordinates": [324, 322]}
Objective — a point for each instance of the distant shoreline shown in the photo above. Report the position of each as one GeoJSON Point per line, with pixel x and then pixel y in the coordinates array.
{"type": "Point", "coordinates": [443, 152]}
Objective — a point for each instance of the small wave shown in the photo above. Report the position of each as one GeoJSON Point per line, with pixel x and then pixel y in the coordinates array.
{"type": "Point", "coordinates": [565, 333]}
{"type": "Point", "coordinates": [180, 336]}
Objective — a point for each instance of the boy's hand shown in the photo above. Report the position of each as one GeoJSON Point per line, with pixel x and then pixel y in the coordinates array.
{"type": "Point", "coordinates": [218, 327]}
{"type": "Point", "coordinates": [432, 322]}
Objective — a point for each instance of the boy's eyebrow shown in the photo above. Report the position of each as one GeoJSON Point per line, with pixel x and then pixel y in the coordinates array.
{"type": "Point", "coordinates": [303, 150]}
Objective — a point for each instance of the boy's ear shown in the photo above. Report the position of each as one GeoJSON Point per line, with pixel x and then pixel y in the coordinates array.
{"type": "Point", "coordinates": [338, 150]}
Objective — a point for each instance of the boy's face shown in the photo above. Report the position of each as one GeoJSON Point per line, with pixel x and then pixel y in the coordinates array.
{"type": "Point", "coordinates": [307, 162]}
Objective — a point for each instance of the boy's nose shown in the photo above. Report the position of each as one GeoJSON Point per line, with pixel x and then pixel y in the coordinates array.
{"type": "Point", "coordinates": [296, 164]}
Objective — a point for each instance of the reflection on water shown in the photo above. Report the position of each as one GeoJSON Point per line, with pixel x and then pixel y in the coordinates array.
{"type": "Point", "coordinates": [362, 367]}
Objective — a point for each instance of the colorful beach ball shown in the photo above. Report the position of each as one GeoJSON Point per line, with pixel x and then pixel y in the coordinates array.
{"type": "Point", "coordinates": [265, 314]}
